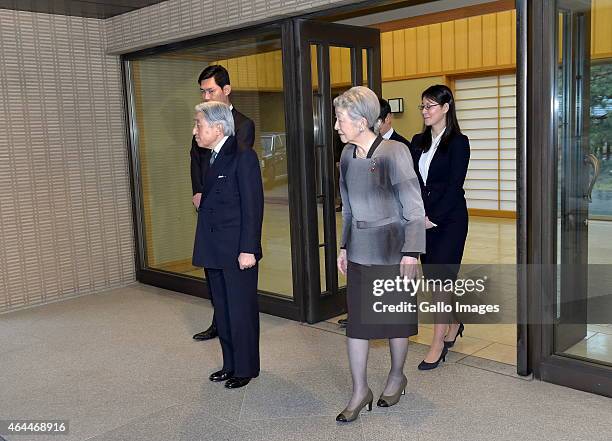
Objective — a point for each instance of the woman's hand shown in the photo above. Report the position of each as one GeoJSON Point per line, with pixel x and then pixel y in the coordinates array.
{"type": "Point", "coordinates": [408, 267]}
{"type": "Point", "coordinates": [342, 262]}
{"type": "Point", "coordinates": [428, 223]}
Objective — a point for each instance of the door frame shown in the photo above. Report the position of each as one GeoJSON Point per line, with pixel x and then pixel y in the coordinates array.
{"type": "Point", "coordinates": [323, 305]}
{"type": "Point", "coordinates": [270, 303]}
{"type": "Point", "coordinates": [536, 168]}
{"type": "Point", "coordinates": [541, 167]}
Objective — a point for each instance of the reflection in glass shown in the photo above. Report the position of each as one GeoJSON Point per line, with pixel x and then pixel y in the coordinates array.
{"type": "Point", "coordinates": [317, 124]}
{"type": "Point", "coordinates": [340, 80]}
{"type": "Point", "coordinates": [364, 62]}
{"type": "Point", "coordinates": [584, 197]}
{"type": "Point", "coordinates": [165, 93]}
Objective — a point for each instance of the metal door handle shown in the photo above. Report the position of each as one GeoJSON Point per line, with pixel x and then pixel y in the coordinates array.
{"type": "Point", "coordinates": [592, 160]}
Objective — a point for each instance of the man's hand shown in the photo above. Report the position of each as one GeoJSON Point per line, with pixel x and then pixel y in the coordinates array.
{"type": "Point", "coordinates": [196, 200]}
{"type": "Point", "coordinates": [246, 260]}
{"type": "Point", "coordinates": [408, 267]}
{"type": "Point", "coordinates": [342, 262]}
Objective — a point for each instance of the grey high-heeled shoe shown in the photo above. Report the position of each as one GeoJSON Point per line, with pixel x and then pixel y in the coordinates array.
{"type": "Point", "coordinates": [390, 400]}
{"type": "Point", "coordinates": [346, 416]}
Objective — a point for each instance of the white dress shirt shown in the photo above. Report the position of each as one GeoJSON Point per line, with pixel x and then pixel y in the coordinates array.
{"type": "Point", "coordinates": [426, 157]}
{"type": "Point", "coordinates": [217, 148]}
{"type": "Point", "coordinates": [388, 134]}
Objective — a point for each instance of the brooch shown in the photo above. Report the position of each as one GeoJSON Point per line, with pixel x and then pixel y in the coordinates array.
{"type": "Point", "coordinates": [372, 165]}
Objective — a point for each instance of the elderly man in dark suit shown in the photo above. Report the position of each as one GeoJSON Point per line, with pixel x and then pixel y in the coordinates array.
{"type": "Point", "coordinates": [228, 240]}
{"type": "Point", "coordinates": [215, 85]}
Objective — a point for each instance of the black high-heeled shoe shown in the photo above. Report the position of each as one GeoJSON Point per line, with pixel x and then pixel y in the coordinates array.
{"type": "Point", "coordinates": [424, 366]}
{"type": "Point", "coordinates": [450, 344]}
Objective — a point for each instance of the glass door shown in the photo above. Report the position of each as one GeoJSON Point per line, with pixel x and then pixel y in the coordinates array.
{"type": "Point", "coordinates": [331, 59]}
{"type": "Point", "coordinates": [583, 327]}
{"type": "Point", "coordinates": [574, 158]}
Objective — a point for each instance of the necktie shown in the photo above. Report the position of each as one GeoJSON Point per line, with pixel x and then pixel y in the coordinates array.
{"type": "Point", "coordinates": [213, 156]}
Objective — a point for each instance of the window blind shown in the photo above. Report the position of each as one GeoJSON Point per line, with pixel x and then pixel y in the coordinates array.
{"type": "Point", "coordinates": [486, 110]}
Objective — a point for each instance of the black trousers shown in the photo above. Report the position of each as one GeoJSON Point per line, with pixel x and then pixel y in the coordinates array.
{"type": "Point", "coordinates": [214, 321]}
{"type": "Point", "coordinates": [234, 294]}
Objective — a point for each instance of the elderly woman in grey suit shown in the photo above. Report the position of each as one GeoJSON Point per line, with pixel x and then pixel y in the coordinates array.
{"type": "Point", "coordinates": [383, 233]}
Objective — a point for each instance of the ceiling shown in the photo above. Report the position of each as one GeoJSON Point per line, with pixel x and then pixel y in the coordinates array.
{"type": "Point", "coordinates": [80, 8]}
{"type": "Point", "coordinates": [405, 11]}
{"type": "Point", "coordinates": [365, 15]}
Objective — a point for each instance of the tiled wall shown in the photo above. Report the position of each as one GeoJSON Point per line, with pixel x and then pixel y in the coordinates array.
{"type": "Point", "coordinates": [65, 209]}
{"type": "Point", "coordinates": [176, 20]}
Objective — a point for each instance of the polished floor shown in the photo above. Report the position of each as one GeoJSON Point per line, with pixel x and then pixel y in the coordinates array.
{"type": "Point", "coordinates": [122, 366]}
{"type": "Point", "coordinates": [491, 241]}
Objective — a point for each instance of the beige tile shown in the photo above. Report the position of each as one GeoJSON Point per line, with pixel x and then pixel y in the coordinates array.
{"type": "Point", "coordinates": [598, 347]}
{"type": "Point", "coordinates": [469, 345]}
{"type": "Point", "coordinates": [424, 336]}
{"type": "Point", "coordinates": [498, 352]}
{"type": "Point", "coordinates": [465, 345]}
{"type": "Point", "coordinates": [502, 333]}
{"type": "Point", "coordinates": [334, 320]}
{"type": "Point", "coordinates": [604, 329]}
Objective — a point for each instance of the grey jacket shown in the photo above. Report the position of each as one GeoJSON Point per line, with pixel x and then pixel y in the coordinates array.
{"type": "Point", "coordinates": [382, 210]}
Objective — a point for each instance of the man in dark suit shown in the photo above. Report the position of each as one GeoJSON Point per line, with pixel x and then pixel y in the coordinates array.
{"type": "Point", "coordinates": [228, 241]}
{"type": "Point", "coordinates": [215, 85]}
{"type": "Point", "coordinates": [386, 121]}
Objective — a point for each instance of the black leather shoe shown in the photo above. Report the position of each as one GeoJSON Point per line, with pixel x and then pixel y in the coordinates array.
{"type": "Point", "coordinates": [209, 334]}
{"type": "Point", "coordinates": [425, 366]}
{"type": "Point", "coordinates": [221, 376]}
{"type": "Point", "coordinates": [343, 323]}
{"type": "Point", "coordinates": [450, 344]}
{"type": "Point", "coordinates": [236, 382]}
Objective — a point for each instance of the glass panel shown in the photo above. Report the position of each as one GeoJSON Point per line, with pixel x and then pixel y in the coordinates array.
{"type": "Point", "coordinates": [584, 201]}
{"type": "Point", "coordinates": [600, 137]}
{"type": "Point", "coordinates": [364, 63]}
{"type": "Point", "coordinates": [318, 145]}
{"type": "Point", "coordinates": [340, 80]}
{"type": "Point", "coordinates": [166, 91]}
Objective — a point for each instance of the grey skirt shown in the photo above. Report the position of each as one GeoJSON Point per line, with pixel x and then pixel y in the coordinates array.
{"type": "Point", "coordinates": [363, 322]}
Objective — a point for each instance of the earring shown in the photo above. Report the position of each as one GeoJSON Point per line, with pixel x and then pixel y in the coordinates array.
{"type": "Point", "coordinates": [360, 128]}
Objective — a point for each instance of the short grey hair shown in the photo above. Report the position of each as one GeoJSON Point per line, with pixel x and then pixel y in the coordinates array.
{"type": "Point", "coordinates": [215, 112]}
{"type": "Point", "coordinates": [359, 102]}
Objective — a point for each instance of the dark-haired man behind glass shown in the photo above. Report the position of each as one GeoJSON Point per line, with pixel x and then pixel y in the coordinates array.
{"type": "Point", "coordinates": [386, 120]}
{"type": "Point", "coordinates": [214, 82]}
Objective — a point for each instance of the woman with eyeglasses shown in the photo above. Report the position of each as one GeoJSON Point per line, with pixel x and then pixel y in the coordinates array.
{"type": "Point", "coordinates": [441, 155]}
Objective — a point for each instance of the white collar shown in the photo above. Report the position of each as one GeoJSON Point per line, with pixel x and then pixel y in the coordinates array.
{"type": "Point", "coordinates": [436, 141]}
{"type": "Point", "coordinates": [217, 148]}
{"type": "Point", "coordinates": [388, 134]}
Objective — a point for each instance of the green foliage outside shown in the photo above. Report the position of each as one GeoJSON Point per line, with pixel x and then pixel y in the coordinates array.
{"type": "Point", "coordinates": [600, 133]}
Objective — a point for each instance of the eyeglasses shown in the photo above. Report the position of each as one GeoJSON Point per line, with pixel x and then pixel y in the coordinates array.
{"type": "Point", "coordinates": [426, 106]}
{"type": "Point", "coordinates": [207, 91]}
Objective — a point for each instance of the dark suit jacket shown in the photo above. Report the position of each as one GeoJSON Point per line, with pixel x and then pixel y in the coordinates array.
{"type": "Point", "coordinates": [397, 137]}
{"type": "Point", "coordinates": [245, 135]}
{"type": "Point", "coordinates": [231, 209]}
{"type": "Point", "coordinates": [443, 196]}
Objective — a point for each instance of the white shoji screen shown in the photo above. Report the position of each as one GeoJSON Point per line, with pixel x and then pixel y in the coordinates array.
{"type": "Point", "coordinates": [486, 110]}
